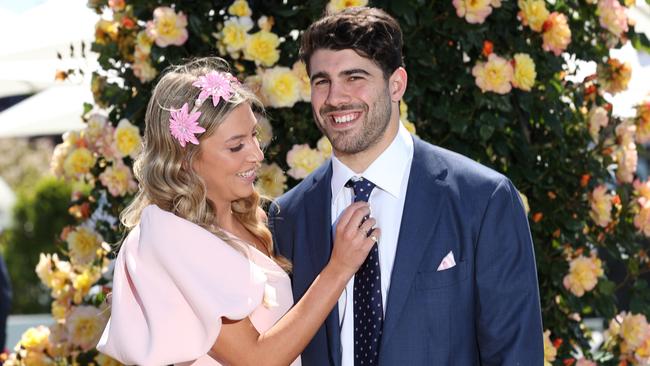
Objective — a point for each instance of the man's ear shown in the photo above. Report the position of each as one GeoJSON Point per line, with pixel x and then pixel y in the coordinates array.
{"type": "Point", "coordinates": [397, 84]}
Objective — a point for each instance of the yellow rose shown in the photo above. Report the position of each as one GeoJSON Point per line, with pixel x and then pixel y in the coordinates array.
{"type": "Point", "coordinates": [557, 34]}
{"type": "Point", "coordinates": [59, 310]}
{"type": "Point", "coordinates": [59, 280]}
{"type": "Point", "coordinates": [85, 325]}
{"type": "Point", "coordinates": [83, 281]}
{"type": "Point", "coordinates": [262, 47]}
{"type": "Point", "coordinates": [643, 351]}
{"type": "Point", "coordinates": [34, 358]}
{"type": "Point", "coordinates": [118, 179]}
{"type": "Point", "coordinates": [264, 131]}
{"type": "Point", "coordinates": [524, 72]}
{"type": "Point", "coordinates": [626, 157]}
{"type": "Point", "coordinates": [583, 274]}
{"type": "Point", "coordinates": [300, 70]}
{"type": "Point", "coordinates": [335, 6]}
{"type": "Point", "coordinates": [106, 31]}
{"type": "Point", "coordinates": [549, 351]}
{"type": "Point", "coordinates": [167, 27]}
{"type": "Point", "coordinates": [271, 181]}
{"type": "Point", "coordinates": [60, 153]}
{"type": "Point", "coordinates": [643, 122]}
{"type": "Point", "coordinates": [240, 8]}
{"type": "Point", "coordinates": [494, 75]}
{"type": "Point", "coordinates": [59, 346]}
{"type": "Point", "coordinates": [234, 34]}
{"type": "Point", "coordinates": [324, 146]}
{"type": "Point", "coordinates": [474, 11]}
{"type": "Point", "coordinates": [78, 162]}
{"type": "Point", "coordinates": [598, 118]}
{"type": "Point", "coordinates": [303, 160]}
{"type": "Point", "coordinates": [144, 71]}
{"type": "Point", "coordinates": [83, 244]}
{"type": "Point", "coordinates": [533, 13]}
{"type": "Point", "coordinates": [44, 269]}
{"type": "Point", "coordinates": [614, 76]}
{"type": "Point", "coordinates": [36, 339]}
{"type": "Point", "coordinates": [601, 206]}
{"type": "Point", "coordinates": [281, 87]}
{"type": "Point", "coordinates": [127, 139]}
{"type": "Point", "coordinates": [633, 331]}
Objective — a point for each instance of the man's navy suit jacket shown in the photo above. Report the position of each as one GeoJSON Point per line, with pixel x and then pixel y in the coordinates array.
{"type": "Point", "coordinates": [483, 311]}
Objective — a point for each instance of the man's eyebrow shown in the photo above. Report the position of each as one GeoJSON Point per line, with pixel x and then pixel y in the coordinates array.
{"type": "Point", "coordinates": [354, 71]}
{"type": "Point", "coordinates": [322, 74]}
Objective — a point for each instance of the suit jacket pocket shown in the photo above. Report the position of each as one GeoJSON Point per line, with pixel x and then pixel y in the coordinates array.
{"type": "Point", "coordinates": [437, 279]}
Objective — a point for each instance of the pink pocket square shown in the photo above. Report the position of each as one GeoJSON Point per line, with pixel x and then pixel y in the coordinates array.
{"type": "Point", "coordinates": [447, 262]}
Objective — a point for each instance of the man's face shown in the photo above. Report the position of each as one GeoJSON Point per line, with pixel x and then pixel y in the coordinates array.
{"type": "Point", "coordinates": [350, 99]}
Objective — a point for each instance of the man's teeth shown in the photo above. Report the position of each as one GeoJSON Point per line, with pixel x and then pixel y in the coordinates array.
{"type": "Point", "coordinates": [247, 174]}
{"type": "Point", "coordinates": [345, 118]}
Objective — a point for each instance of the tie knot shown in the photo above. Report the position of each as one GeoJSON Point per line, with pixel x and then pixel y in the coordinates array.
{"type": "Point", "coordinates": [361, 187]}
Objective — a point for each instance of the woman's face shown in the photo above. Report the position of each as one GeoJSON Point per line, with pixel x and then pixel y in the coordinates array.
{"type": "Point", "coordinates": [228, 160]}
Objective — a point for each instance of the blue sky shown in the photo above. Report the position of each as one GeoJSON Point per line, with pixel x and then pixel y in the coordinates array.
{"type": "Point", "coordinates": [19, 6]}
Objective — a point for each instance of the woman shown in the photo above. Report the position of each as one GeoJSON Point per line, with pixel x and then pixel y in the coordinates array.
{"type": "Point", "coordinates": [196, 280]}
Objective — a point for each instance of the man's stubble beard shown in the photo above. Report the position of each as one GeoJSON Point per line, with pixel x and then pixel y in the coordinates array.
{"type": "Point", "coordinates": [373, 127]}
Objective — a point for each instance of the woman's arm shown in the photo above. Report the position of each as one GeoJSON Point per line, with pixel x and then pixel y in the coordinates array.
{"type": "Point", "coordinates": [239, 343]}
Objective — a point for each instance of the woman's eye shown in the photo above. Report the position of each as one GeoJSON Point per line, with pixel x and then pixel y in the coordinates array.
{"type": "Point", "coordinates": [237, 148]}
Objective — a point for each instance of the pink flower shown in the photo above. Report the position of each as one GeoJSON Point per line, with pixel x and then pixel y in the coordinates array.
{"type": "Point", "coordinates": [474, 11]}
{"type": "Point", "coordinates": [495, 75]}
{"type": "Point", "coordinates": [585, 362]}
{"type": "Point", "coordinates": [167, 27]}
{"type": "Point", "coordinates": [583, 274]}
{"type": "Point", "coordinates": [557, 34]}
{"type": "Point", "coordinates": [601, 206]}
{"type": "Point", "coordinates": [216, 85]}
{"type": "Point", "coordinates": [184, 125]}
{"type": "Point", "coordinates": [612, 16]}
{"type": "Point", "coordinates": [642, 218]}
{"type": "Point", "coordinates": [118, 179]}
{"type": "Point", "coordinates": [642, 189]}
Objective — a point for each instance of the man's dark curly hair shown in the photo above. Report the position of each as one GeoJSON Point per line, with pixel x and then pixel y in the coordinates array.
{"type": "Point", "coordinates": [370, 32]}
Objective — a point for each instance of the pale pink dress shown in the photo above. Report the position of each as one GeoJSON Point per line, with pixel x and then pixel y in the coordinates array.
{"type": "Point", "coordinates": [173, 282]}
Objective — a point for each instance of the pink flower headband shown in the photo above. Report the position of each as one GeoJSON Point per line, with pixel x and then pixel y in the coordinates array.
{"type": "Point", "coordinates": [184, 125]}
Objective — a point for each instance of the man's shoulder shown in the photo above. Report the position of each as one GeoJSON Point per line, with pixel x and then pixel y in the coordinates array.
{"type": "Point", "coordinates": [290, 200]}
{"type": "Point", "coordinates": [457, 169]}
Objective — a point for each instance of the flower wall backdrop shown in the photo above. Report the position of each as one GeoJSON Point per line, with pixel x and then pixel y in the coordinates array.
{"type": "Point", "coordinates": [488, 78]}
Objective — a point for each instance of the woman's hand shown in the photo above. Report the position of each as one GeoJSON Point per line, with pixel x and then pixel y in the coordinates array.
{"type": "Point", "coordinates": [354, 238]}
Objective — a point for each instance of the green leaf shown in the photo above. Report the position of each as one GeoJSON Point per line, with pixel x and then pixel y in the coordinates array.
{"type": "Point", "coordinates": [606, 287]}
{"type": "Point", "coordinates": [486, 132]}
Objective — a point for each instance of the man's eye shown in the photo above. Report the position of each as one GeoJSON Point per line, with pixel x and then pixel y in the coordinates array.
{"type": "Point", "coordinates": [237, 148]}
{"type": "Point", "coordinates": [320, 82]}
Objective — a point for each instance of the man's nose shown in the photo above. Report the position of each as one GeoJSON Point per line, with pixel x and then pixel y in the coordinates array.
{"type": "Point", "coordinates": [337, 95]}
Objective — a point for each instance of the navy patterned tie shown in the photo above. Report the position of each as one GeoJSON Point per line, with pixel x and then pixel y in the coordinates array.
{"type": "Point", "coordinates": [368, 310]}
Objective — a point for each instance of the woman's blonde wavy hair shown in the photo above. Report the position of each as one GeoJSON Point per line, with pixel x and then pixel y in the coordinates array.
{"type": "Point", "coordinates": [164, 168]}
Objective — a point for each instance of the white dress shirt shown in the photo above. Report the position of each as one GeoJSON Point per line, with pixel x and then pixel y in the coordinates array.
{"type": "Point", "coordinates": [390, 174]}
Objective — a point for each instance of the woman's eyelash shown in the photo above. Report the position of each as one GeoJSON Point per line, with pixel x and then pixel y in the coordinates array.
{"type": "Point", "coordinates": [237, 148]}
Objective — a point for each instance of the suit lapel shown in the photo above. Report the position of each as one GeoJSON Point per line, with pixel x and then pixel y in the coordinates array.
{"type": "Point", "coordinates": [318, 208]}
{"type": "Point", "coordinates": [422, 208]}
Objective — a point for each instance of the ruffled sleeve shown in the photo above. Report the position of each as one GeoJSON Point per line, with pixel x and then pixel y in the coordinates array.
{"type": "Point", "coordinates": [173, 282]}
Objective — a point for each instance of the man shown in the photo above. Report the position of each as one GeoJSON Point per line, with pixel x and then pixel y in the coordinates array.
{"type": "Point", "coordinates": [453, 279]}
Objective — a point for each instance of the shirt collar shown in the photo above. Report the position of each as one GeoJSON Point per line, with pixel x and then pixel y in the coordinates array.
{"type": "Point", "coordinates": [386, 172]}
